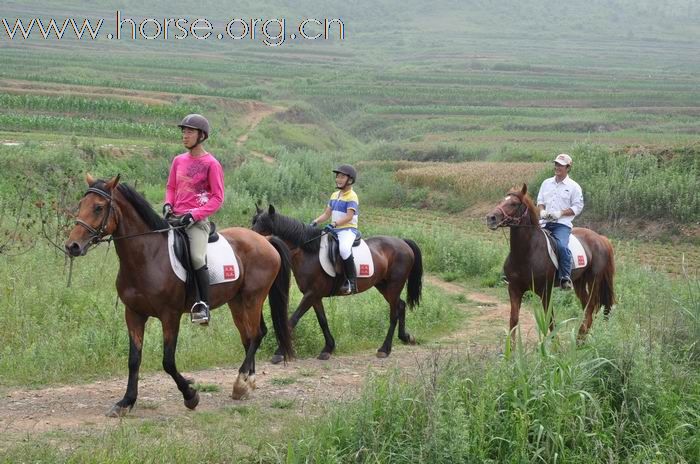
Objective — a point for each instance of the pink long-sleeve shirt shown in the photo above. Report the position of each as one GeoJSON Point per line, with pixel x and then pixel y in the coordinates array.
{"type": "Point", "coordinates": [195, 185]}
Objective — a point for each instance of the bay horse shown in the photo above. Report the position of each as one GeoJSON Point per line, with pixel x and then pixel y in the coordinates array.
{"type": "Point", "coordinates": [397, 263]}
{"type": "Point", "coordinates": [528, 266]}
{"type": "Point", "coordinates": [148, 287]}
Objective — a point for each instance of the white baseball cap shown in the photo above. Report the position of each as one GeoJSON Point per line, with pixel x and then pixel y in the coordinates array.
{"type": "Point", "coordinates": [563, 159]}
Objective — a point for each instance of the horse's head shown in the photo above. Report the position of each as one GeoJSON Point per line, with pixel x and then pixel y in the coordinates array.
{"type": "Point", "coordinates": [515, 209]}
{"type": "Point", "coordinates": [263, 220]}
{"type": "Point", "coordinates": [95, 217]}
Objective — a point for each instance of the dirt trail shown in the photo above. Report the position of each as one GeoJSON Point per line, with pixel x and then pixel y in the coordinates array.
{"type": "Point", "coordinates": [256, 112]}
{"type": "Point", "coordinates": [309, 383]}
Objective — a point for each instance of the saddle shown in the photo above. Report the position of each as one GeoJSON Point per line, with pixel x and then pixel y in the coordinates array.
{"type": "Point", "coordinates": [221, 261]}
{"type": "Point", "coordinates": [332, 264]}
{"type": "Point", "coordinates": [182, 247]}
{"type": "Point", "coordinates": [579, 258]}
{"type": "Point", "coordinates": [334, 251]}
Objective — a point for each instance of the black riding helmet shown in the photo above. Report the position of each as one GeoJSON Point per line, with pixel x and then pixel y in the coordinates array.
{"type": "Point", "coordinates": [196, 121]}
{"type": "Point", "coordinates": [347, 170]}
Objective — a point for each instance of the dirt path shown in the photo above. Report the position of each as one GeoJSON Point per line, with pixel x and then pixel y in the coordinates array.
{"type": "Point", "coordinates": [309, 383]}
{"type": "Point", "coordinates": [256, 112]}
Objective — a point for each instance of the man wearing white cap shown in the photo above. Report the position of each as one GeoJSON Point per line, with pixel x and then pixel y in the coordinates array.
{"type": "Point", "coordinates": [560, 199]}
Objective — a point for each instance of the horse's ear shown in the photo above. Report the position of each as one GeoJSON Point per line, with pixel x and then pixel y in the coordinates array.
{"type": "Point", "coordinates": [257, 209]}
{"type": "Point", "coordinates": [89, 179]}
{"type": "Point", "coordinates": [112, 183]}
{"type": "Point", "coordinates": [271, 210]}
{"type": "Point", "coordinates": [524, 189]}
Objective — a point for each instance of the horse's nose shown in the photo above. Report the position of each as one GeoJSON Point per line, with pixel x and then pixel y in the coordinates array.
{"type": "Point", "coordinates": [73, 249]}
{"type": "Point", "coordinates": [491, 220]}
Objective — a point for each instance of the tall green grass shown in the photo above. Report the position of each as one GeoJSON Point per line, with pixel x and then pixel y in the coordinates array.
{"type": "Point", "coordinates": [84, 106]}
{"type": "Point", "coordinates": [623, 396]}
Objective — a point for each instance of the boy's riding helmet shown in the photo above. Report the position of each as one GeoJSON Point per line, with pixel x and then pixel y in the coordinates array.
{"type": "Point", "coordinates": [196, 121]}
{"type": "Point", "coordinates": [348, 171]}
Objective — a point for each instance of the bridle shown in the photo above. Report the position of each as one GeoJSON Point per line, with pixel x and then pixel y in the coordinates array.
{"type": "Point", "coordinates": [97, 234]}
{"type": "Point", "coordinates": [516, 219]}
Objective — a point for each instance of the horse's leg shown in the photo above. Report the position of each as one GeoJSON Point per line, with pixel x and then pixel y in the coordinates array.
{"type": "Point", "coordinates": [546, 297]}
{"type": "Point", "coordinates": [327, 336]}
{"type": "Point", "coordinates": [135, 323]}
{"type": "Point", "coordinates": [392, 296]}
{"type": "Point", "coordinates": [247, 314]}
{"type": "Point", "coordinates": [404, 336]}
{"type": "Point", "coordinates": [590, 306]}
{"type": "Point", "coordinates": [516, 298]}
{"type": "Point", "coordinates": [304, 305]}
{"type": "Point", "coordinates": [171, 328]}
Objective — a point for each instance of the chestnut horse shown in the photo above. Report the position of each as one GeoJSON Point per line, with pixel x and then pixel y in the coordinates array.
{"type": "Point", "coordinates": [528, 266]}
{"type": "Point", "coordinates": [397, 263]}
{"type": "Point", "coordinates": [148, 287]}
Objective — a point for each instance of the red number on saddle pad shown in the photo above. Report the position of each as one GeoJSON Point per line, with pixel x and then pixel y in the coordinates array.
{"type": "Point", "coordinates": [229, 272]}
{"type": "Point", "coordinates": [581, 260]}
{"type": "Point", "coordinates": [364, 269]}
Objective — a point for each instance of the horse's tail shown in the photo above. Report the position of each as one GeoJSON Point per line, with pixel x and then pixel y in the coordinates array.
{"type": "Point", "coordinates": [414, 289]}
{"type": "Point", "coordinates": [279, 300]}
{"type": "Point", "coordinates": [606, 290]}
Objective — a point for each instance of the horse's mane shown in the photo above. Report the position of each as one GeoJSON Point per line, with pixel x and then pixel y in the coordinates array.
{"type": "Point", "coordinates": [142, 207]}
{"type": "Point", "coordinates": [529, 204]}
{"type": "Point", "coordinates": [295, 231]}
{"type": "Point", "coordinates": [139, 203]}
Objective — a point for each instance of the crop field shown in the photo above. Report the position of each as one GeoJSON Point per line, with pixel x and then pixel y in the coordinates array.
{"type": "Point", "coordinates": [442, 107]}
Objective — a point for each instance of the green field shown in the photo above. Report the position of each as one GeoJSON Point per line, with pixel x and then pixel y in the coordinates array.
{"type": "Point", "coordinates": [442, 107]}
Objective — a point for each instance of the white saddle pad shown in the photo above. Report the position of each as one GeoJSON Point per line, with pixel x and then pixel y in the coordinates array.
{"type": "Point", "coordinates": [221, 261]}
{"type": "Point", "coordinates": [362, 254]}
{"type": "Point", "coordinates": [578, 254]}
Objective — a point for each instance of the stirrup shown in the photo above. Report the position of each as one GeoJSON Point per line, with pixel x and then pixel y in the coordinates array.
{"type": "Point", "coordinates": [199, 313]}
{"type": "Point", "coordinates": [566, 284]}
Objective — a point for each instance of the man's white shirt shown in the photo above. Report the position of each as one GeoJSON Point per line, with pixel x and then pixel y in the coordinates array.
{"type": "Point", "coordinates": [558, 196]}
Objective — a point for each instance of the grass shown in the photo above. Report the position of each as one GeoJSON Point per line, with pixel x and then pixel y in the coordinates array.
{"type": "Point", "coordinates": [613, 399]}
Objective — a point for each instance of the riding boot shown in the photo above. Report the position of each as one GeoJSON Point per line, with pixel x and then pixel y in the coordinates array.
{"type": "Point", "coordinates": [199, 314]}
{"type": "Point", "coordinates": [350, 285]}
{"type": "Point", "coordinates": [566, 284]}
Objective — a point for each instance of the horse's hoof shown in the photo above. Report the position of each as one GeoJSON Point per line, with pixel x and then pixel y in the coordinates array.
{"type": "Point", "coordinates": [276, 358]}
{"type": "Point", "coordinates": [192, 402]}
{"type": "Point", "coordinates": [411, 340]}
{"type": "Point", "coordinates": [251, 382]}
{"type": "Point", "coordinates": [382, 354]}
{"type": "Point", "coordinates": [240, 387]}
{"type": "Point", "coordinates": [324, 356]}
{"type": "Point", "coordinates": [118, 411]}
{"type": "Point", "coordinates": [240, 392]}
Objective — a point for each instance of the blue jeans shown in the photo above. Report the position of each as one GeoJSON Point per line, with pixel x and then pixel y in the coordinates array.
{"type": "Point", "coordinates": [561, 233]}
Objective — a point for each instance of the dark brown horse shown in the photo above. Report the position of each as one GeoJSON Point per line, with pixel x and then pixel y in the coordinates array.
{"type": "Point", "coordinates": [148, 287]}
{"type": "Point", "coordinates": [528, 266]}
{"type": "Point", "coordinates": [397, 263]}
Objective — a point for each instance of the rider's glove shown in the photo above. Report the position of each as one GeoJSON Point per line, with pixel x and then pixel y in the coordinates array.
{"type": "Point", "coordinates": [555, 215]}
{"type": "Point", "coordinates": [329, 229]}
{"type": "Point", "coordinates": [167, 210]}
{"type": "Point", "coordinates": [313, 224]}
{"type": "Point", "coordinates": [186, 220]}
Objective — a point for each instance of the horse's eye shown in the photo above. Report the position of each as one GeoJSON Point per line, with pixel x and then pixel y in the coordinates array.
{"type": "Point", "coordinates": [98, 209]}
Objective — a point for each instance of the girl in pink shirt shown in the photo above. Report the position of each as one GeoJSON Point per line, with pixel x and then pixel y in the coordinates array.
{"type": "Point", "coordinates": [195, 191]}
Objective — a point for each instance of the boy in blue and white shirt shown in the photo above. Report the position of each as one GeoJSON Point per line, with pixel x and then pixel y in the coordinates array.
{"type": "Point", "coordinates": [343, 209]}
